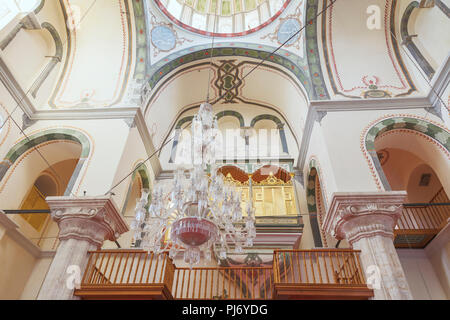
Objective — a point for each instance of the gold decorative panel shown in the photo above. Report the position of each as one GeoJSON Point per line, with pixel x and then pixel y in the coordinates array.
{"type": "Point", "coordinates": [271, 197]}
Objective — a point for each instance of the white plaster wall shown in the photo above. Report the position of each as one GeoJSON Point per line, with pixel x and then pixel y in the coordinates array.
{"type": "Point", "coordinates": [16, 266]}
{"type": "Point", "coordinates": [36, 278]}
{"type": "Point", "coordinates": [343, 140]}
{"type": "Point", "coordinates": [133, 153]}
{"type": "Point", "coordinates": [99, 47]}
{"type": "Point", "coordinates": [372, 53]}
{"type": "Point", "coordinates": [421, 277]}
{"type": "Point", "coordinates": [434, 45]}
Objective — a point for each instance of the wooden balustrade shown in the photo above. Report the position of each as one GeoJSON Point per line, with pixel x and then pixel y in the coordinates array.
{"type": "Point", "coordinates": [319, 266]}
{"type": "Point", "coordinates": [223, 283]}
{"type": "Point", "coordinates": [419, 223]}
{"type": "Point", "coordinates": [325, 273]}
{"type": "Point", "coordinates": [298, 274]}
{"type": "Point", "coordinates": [423, 217]}
{"type": "Point", "coordinates": [125, 273]}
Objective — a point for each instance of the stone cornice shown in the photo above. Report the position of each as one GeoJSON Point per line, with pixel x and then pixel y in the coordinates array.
{"type": "Point", "coordinates": [93, 219]}
{"type": "Point", "coordinates": [133, 114]}
{"type": "Point", "coordinates": [14, 89]}
{"type": "Point", "coordinates": [439, 83]}
{"type": "Point", "coordinates": [86, 114]}
{"type": "Point", "coordinates": [147, 141]}
{"type": "Point", "coordinates": [353, 216]}
{"type": "Point", "coordinates": [12, 230]}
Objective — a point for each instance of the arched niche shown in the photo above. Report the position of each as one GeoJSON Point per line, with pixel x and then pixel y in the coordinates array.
{"type": "Point", "coordinates": [139, 181]}
{"type": "Point", "coordinates": [260, 119]}
{"type": "Point", "coordinates": [425, 140]}
{"type": "Point", "coordinates": [408, 41]}
{"type": "Point", "coordinates": [311, 198]}
{"type": "Point", "coordinates": [25, 161]}
{"type": "Point", "coordinates": [52, 181]}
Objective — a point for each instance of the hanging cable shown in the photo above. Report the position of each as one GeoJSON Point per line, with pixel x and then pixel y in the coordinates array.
{"type": "Point", "coordinates": [273, 52]}
{"type": "Point", "coordinates": [24, 96]}
{"type": "Point", "coordinates": [28, 91]}
{"type": "Point", "coordinates": [212, 52]}
{"type": "Point", "coordinates": [240, 81]}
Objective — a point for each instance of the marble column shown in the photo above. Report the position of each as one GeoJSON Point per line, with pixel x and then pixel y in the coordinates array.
{"type": "Point", "coordinates": [84, 224]}
{"type": "Point", "coordinates": [367, 221]}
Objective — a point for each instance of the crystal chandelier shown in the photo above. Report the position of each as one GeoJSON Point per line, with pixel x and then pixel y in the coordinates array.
{"type": "Point", "coordinates": [202, 213]}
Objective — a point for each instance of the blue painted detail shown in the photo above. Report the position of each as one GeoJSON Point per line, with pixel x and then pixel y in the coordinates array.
{"type": "Point", "coordinates": [163, 38]}
{"type": "Point", "coordinates": [287, 29]}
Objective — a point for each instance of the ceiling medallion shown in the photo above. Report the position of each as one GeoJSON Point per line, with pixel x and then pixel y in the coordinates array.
{"type": "Point", "coordinates": [164, 37]}
{"type": "Point", "coordinates": [287, 27]}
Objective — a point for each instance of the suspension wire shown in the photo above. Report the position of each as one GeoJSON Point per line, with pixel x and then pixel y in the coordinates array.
{"type": "Point", "coordinates": [240, 81]}
{"type": "Point", "coordinates": [144, 161]}
{"type": "Point", "coordinates": [26, 94]}
{"type": "Point", "coordinates": [273, 52]}
{"type": "Point", "coordinates": [41, 155]}
{"type": "Point", "coordinates": [212, 52]}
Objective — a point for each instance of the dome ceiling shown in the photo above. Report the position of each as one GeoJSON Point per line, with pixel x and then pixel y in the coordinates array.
{"type": "Point", "coordinates": [223, 18]}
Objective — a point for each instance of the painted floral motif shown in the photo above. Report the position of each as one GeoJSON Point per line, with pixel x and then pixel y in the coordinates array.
{"type": "Point", "coordinates": [287, 28]}
{"type": "Point", "coordinates": [164, 37]}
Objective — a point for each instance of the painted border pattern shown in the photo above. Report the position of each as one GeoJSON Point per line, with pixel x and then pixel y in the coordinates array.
{"type": "Point", "coordinates": [8, 126]}
{"type": "Point", "coordinates": [215, 34]}
{"type": "Point", "coordinates": [433, 131]}
{"type": "Point", "coordinates": [124, 70]}
{"type": "Point", "coordinates": [284, 59]}
{"type": "Point", "coordinates": [312, 52]}
{"type": "Point", "coordinates": [23, 147]}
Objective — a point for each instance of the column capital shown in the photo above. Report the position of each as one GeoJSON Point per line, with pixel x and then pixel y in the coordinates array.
{"type": "Point", "coordinates": [92, 219]}
{"type": "Point", "coordinates": [357, 215]}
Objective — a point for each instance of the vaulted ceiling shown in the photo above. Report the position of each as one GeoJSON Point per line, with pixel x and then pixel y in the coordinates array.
{"type": "Point", "coordinates": [148, 53]}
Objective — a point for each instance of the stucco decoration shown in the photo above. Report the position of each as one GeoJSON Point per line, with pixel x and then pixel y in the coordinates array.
{"type": "Point", "coordinates": [84, 224]}
{"type": "Point", "coordinates": [289, 63]}
{"type": "Point", "coordinates": [367, 221]}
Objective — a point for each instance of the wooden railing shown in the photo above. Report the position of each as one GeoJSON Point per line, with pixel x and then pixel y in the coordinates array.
{"type": "Point", "coordinates": [319, 266]}
{"type": "Point", "coordinates": [423, 216]}
{"type": "Point", "coordinates": [127, 267]}
{"type": "Point", "coordinates": [420, 222]}
{"type": "Point", "coordinates": [440, 197]}
{"type": "Point", "coordinates": [223, 283]}
{"type": "Point", "coordinates": [131, 273]}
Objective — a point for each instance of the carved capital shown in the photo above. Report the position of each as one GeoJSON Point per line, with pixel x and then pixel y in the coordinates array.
{"type": "Point", "coordinates": [93, 219]}
{"type": "Point", "coordinates": [353, 216]}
